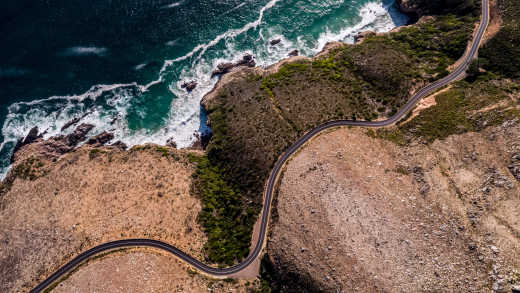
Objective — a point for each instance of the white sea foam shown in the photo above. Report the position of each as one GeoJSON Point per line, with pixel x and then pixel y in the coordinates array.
{"type": "Point", "coordinates": [184, 117]}
{"type": "Point", "coordinates": [172, 5]}
{"type": "Point", "coordinates": [140, 66]}
{"type": "Point", "coordinates": [79, 51]}
{"type": "Point", "coordinates": [374, 16]}
{"type": "Point", "coordinates": [171, 43]}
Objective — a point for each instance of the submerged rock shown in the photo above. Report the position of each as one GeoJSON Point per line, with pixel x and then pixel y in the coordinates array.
{"type": "Point", "coordinates": [294, 53]}
{"type": "Point", "coordinates": [189, 86]}
{"type": "Point", "coordinates": [275, 42]}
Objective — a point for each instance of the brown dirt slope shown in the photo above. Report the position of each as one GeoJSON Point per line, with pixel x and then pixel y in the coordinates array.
{"type": "Point", "coordinates": [362, 214]}
{"type": "Point", "coordinates": [140, 270]}
{"type": "Point", "coordinates": [60, 206]}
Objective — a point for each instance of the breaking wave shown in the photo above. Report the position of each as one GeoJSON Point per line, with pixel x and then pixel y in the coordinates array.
{"type": "Point", "coordinates": [118, 108]}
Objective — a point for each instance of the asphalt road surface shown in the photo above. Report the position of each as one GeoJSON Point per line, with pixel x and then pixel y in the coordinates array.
{"type": "Point", "coordinates": [225, 272]}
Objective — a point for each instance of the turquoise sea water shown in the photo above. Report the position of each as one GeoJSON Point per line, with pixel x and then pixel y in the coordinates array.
{"type": "Point", "coordinates": [120, 64]}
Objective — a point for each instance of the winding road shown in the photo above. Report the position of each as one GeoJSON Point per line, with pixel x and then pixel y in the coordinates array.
{"type": "Point", "coordinates": [226, 272]}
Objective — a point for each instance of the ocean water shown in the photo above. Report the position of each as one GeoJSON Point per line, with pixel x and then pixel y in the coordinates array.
{"type": "Point", "coordinates": [120, 64]}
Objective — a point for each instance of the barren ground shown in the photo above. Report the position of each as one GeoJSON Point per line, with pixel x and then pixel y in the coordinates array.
{"type": "Point", "coordinates": [87, 198]}
{"type": "Point", "coordinates": [360, 214]}
{"type": "Point", "coordinates": [145, 270]}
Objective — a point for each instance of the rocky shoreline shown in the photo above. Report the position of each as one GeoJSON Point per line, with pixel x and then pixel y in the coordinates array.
{"type": "Point", "coordinates": [61, 144]}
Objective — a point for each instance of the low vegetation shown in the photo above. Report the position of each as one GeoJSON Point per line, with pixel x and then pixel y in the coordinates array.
{"type": "Point", "coordinates": [225, 216]}
{"type": "Point", "coordinates": [502, 53]}
{"type": "Point", "coordinates": [466, 107]}
{"type": "Point", "coordinates": [29, 169]}
{"type": "Point", "coordinates": [255, 118]}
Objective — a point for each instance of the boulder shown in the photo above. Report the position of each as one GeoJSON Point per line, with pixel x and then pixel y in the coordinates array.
{"type": "Point", "coordinates": [294, 53]}
{"type": "Point", "coordinates": [247, 60]}
{"type": "Point", "coordinates": [275, 42]}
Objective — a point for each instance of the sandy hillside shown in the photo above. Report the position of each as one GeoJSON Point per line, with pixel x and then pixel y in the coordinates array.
{"type": "Point", "coordinates": [361, 214]}
{"type": "Point", "coordinates": [140, 270]}
{"type": "Point", "coordinates": [59, 206]}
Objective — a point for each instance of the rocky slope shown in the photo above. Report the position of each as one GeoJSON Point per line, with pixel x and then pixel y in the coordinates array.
{"type": "Point", "coordinates": [362, 214]}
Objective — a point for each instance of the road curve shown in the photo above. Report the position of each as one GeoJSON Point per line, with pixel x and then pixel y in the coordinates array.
{"type": "Point", "coordinates": [225, 272]}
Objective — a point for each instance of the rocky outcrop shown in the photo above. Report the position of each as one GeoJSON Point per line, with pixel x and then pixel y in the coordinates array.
{"type": "Point", "coordinates": [189, 86]}
{"type": "Point", "coordinates": [31, 137]}
{"type": "Point", "coordinates": [101, 139]}
{"type": "Point", "coordinates": [361, 36]}
{"type": "Point", "coordinates": [224, 68]}
{"type": "Point", "coordinates": [79, 134]}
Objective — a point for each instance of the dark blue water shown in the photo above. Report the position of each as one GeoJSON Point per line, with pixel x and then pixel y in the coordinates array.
{"type": "Point", "coordinates": [120, 63]}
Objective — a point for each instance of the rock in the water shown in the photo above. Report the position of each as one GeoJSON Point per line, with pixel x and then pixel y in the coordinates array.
{"type": "Point", "coordinates": [70, 123]}
{"type": "Point", "coordinates": [79, 134]}
{"type": "Point", "coordinates": [224, 68]}
{"type": "Point", "coordinates": [101, 139]}
{"type": "Point", "coordinates": [275, 42]}
{"type": "Point", "coordinates": [189, 86]}
{"type": "Point", "coordinates": [294, 53]}
{"type": "Point", "coordinates": [247, 60]}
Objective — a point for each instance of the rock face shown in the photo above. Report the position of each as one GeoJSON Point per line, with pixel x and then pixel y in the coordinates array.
{"type": "Point", "coordinates": [79, 134]}
{"type": "Point", "coordinates": [189, 86]}
{"type": "Point", "coordinates": [224, 68]}
{"type": "Point", "coordinates": [101, 139]}
{"type": "Point", "coordinates": [31, 137]}
{"type": "Point", "coordinates": [56, 145]}
{"type": "Point", "coordinates": [275, 42]}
